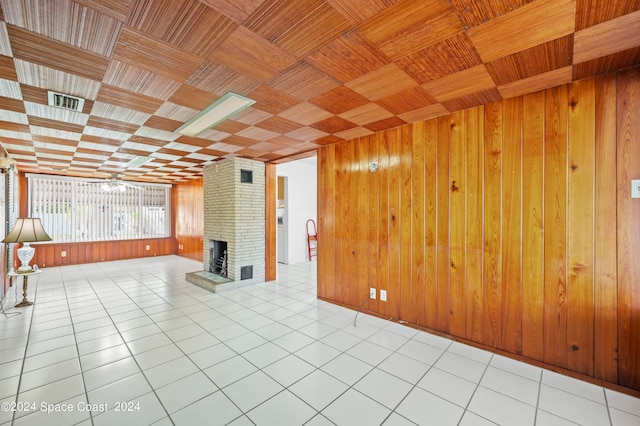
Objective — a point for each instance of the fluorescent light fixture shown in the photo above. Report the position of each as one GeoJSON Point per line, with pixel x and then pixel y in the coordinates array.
{"type": "Point", "coordinates": [138, 161]}
{"type": "Point", "coordinates": [220, 110]}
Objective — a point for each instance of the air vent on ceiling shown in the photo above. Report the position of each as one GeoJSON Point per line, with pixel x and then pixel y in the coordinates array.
{"type": "Point", "coordinates": [65, 101]}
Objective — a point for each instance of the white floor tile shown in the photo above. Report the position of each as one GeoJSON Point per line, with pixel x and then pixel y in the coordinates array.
{"type": "Point", "coordinates": [318, 389]}
{"type": "Point", "coordinates": [229, 371]}
{"type": "Point", "coordinates": [215, 409]}
{"type": "Point", "coordinates": [572, 407]}
{"type": "Point", "coordinates": [253, 390]}
{"type": "Point", "coordinates": [354, 409]}
{"type": "Point", "coordinates": [288, 370]}
{"type": "Point", "coordinates": [512, 385]}
{"type": "Point", "coordinates": [145, 410]}
{"type": "Point", "coordinates": [282, 409]}
{"type": "Point", "coordinates": [317, 353]}
{"type": "Point", "coordinates": [170, 372]}
{"type": "Point", "coordinates": [369, 352]}
{"type": "Point", "coordinates": [448, 386]}
{"type": "Point", "coordinates": [185, 391]}
{"type": "Point", "coordinates": [501, 409]}
{"type": "Point", "coordinates": [461, 366]}
{"type": "Point", "coordinates": [408, 369]}
{"type": "Point", "coordinates": [128, 389]}
{"type": "Point", "coordinates": [424, 408]}
{"type": "Point", "coordinates": [384, 388]}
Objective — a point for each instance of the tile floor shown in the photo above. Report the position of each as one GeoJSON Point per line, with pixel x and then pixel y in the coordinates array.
{"type": "Point", "coordinates": [131, 342]}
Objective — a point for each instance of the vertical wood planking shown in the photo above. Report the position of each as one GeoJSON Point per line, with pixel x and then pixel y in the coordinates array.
{"type": "Point", "coordinates": [363, 247]}
{"type": "Point", "coordinates": [580, 226]}
{"type": "Point", "coordinates": [393, 295]}
{"type": "Point", "coordinates": [473, 224]}
{"type": "Point", "coordinates": [406, 237]}
{"type": "Point", "coordinates": [418, 294]}
{"type": "Point", "coordinates": [372, 264]}
{"type": "Point", "coordinates": [492, 297]}
{"type": "Point", "coordinates": [555, 222]}
{"type": "Point", "coordinates": [605, 272]}
{"type": "Point", "coordinates": [457, 224]}
{"type": "Point", "coordinates": [342, 254]}
{"type": "Point", "coordinates": [511, 226]}
{"type": "Point", "coordinates": [431, 222]}
{"type": "Point", "coordinates": [383, 217]}
{"type": "Point", "coordinates": [443, 249]}
{"type": "Point", "coordinates": [628, 154]}
{"type": "Point", "coordinates": [532, 226]}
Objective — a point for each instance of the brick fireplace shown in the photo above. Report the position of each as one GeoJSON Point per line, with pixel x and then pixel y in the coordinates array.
{"type": "Point", "coordinates": [234, 218]}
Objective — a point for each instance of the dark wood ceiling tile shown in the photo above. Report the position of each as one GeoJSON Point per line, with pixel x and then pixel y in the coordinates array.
{"type": "Point", "coordinates": [10, 104]}
{"type": "Point", "coordinates": [524, 28]}
{"type": "Point", "coordinates": [147, 141]}
{"type": "Point", "coordinates": [305, 113]}
{"type": "Point", "coordinates": [299, 27]}
{"type": "Point", "coordinates": [473, 80]}
{"type": "Point", "coordinates": [162, 123]}
{"type": "Point", "coordinates": [238, 10]}
{"type": "Point", "coordinates": [607, 64]}
{"type": "Point", "coordinates": [303, 82]}
{"type": "Point", "coordinates": [55, 141]}
{"type": "Point", "coordinates": [359, 11]}
{"type": "Point", "coordinates": [424, 113]}
{"type": "Point", "coordinates": [279, 125]}
{"type": "Point", "coordinates": [328, 140]}
{"type": "Point", "coordinates": [187, 24]}
{"type": "Point", "coordinates": [339, 100]}
{"type": "Point", "coordinates": [366, 114]}
{"type": "Point", "coordinates": [116, 9]}
{"type": "Point", "coordinates": [55, 124]}
{"type": "Point", "coordinates": [428, 22]}
{"type": "Point", "coordinates": [594, 12]}
{"type": "Point", "coordinates": [156, 56]}
{"type": "Point", "coordinates": [241, 50]}
{"type": "Point", "coordinates": [385, 124]}
{"type": "Point", "coordinates": [474, 13]}
{"type": "Point", "coordinates": [333, 124]}
{"type": "Point", "coordinates": [32, 47]}
{"type": "Point", "coordinates": [407, 100]}
{"type": "Point", "coordinates": [230, 126]}
{"type": "Point", "coordinates": [239, 141]}
{"type": "Point", "coordinates": [473, 100]}
{"type": "Point", "coordinates": [217, 79]}
{"type": "Point", "coordinates": [115, 96]}
{"type": "Point", "coordinates": [446, 57]}
{"type": "Point", "coordinates": [14, 127]}
{"type": "Point", "coordinates": [347, 57]}
{"type": "Point", "coordinates": [106, 123]}
{"type": "Point", "coordinates": [271, 100]}
{"type": "Point", "coordinates": [193, 97]}
{"type": "Point", "coordinates": [193, 141]}
{"type": "Point", "coordinates": [537, 60]}
{"type": "Point", "coordinates": [7, 68]}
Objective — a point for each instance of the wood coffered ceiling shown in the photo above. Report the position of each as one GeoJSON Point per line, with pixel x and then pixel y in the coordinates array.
{"type": "Point", "coordinates": [321, 71]}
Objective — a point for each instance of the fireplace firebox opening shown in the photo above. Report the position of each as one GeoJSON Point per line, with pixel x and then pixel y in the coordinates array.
{"type": "Point", "coordinates": [218, 257]}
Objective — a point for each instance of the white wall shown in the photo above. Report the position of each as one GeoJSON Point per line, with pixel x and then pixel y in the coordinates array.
{"type": "Point", "coordinates": [301, 203]}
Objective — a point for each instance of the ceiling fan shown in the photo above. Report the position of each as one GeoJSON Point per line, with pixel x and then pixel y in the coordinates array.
{"type": "Point", "coordinates": [115, 183]}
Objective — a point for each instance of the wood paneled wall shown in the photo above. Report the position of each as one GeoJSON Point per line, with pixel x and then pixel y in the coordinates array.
{"type": "Point", "coordinates": [509, 225]}
{"type": "Point", "coordinates": [189, 221]}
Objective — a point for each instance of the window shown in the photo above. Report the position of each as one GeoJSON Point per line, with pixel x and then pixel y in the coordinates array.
{"type": "Point", "coordinates": [74, 210]}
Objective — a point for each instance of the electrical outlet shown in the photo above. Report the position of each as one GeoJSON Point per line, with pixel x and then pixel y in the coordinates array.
{"type": "Point", "coordinates": [63, 254]}
{"type": "Point", "coordinates": [383, 295]}
{"type": "Point", "coordinates": [148, 247]}
{"type": "Point", "coordinates": [635, 188]}
{"type": "Point", "coordinates": [372, 293]}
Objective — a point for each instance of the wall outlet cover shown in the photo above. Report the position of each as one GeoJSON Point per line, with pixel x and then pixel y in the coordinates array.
{"type": "Point", "coordinates": [635, 188]}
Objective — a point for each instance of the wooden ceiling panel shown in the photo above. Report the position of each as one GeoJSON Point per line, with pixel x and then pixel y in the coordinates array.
{"type": "Point", "coordinates": [594, 12]}
{"type": "Point", "coordinates": [120, 97]}
{"type": "Point", "coordinates": [68, 22]}
{"type": "Point", "coordinates": [138, 80]}
{"type": "Point", "coordinates": [303, 82]}
{"type": "Point", "coordinates": [150, 54]}
{"type": "Point", "coordinates": [536, 83]}
{"type": "Point", "coordinates": [215, 78]}
{"type": "Point", "coordinates": [447, 57]}
{"type": "Point", "coordinates": [607, 38]}
{"type": "Point", "coordinates": [381, 83]}
{"type": "Point", "coordinates": [480, 11]}
{"type": "Point", "coordinates": [347, 57]}
{"type": "Point", "coordinates": [243, 49]}
{"type": "Point", "coordinates": [339, 100]}
{"type": "Point", "coordinates": [524, 28]}
{"type": "Point", "coordinates": [37, 49]}
{"type": "Point", "coordinates": [272, 100]}
{"type": "Point", "coordinates": [407, 100]}
{"type": "Point", "coordinates": [298, 26]}
{"type": "Point", "coordinates": [428, 22]}
{"type": "Point", "coordinates": [466, 82]}
{"type": "Point", "coordinates": [188, 24]}
{"type": "Point", "coordinates": [358, 11]}
{"type": "Point", "coordinates": [537, 60]}
{"type": "Point", "coordinates": [321, 71]}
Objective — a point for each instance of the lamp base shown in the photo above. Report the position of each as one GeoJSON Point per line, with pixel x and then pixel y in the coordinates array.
{"type": "Point", "coordinates": [23, 304]}
{"type": "Point", "coordinates": [25, 254]}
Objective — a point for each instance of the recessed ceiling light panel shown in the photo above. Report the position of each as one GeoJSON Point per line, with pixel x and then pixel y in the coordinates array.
{"type": "Point", "coordinates": [220, 110]}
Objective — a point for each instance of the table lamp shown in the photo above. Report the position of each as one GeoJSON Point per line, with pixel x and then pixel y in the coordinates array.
{"type": "Point", "coordinates": [26, 230]}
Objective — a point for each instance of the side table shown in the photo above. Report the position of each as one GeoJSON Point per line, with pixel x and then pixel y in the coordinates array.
{"type": "Point", "coordinates": [25, 282]}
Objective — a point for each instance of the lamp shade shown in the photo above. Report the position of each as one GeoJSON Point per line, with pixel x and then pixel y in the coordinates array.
{"type": "Point", "coordinates": [27, 230]}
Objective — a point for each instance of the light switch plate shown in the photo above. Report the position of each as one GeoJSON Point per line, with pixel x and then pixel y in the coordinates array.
{"type": "Point", "coordinates": [635, 188]}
